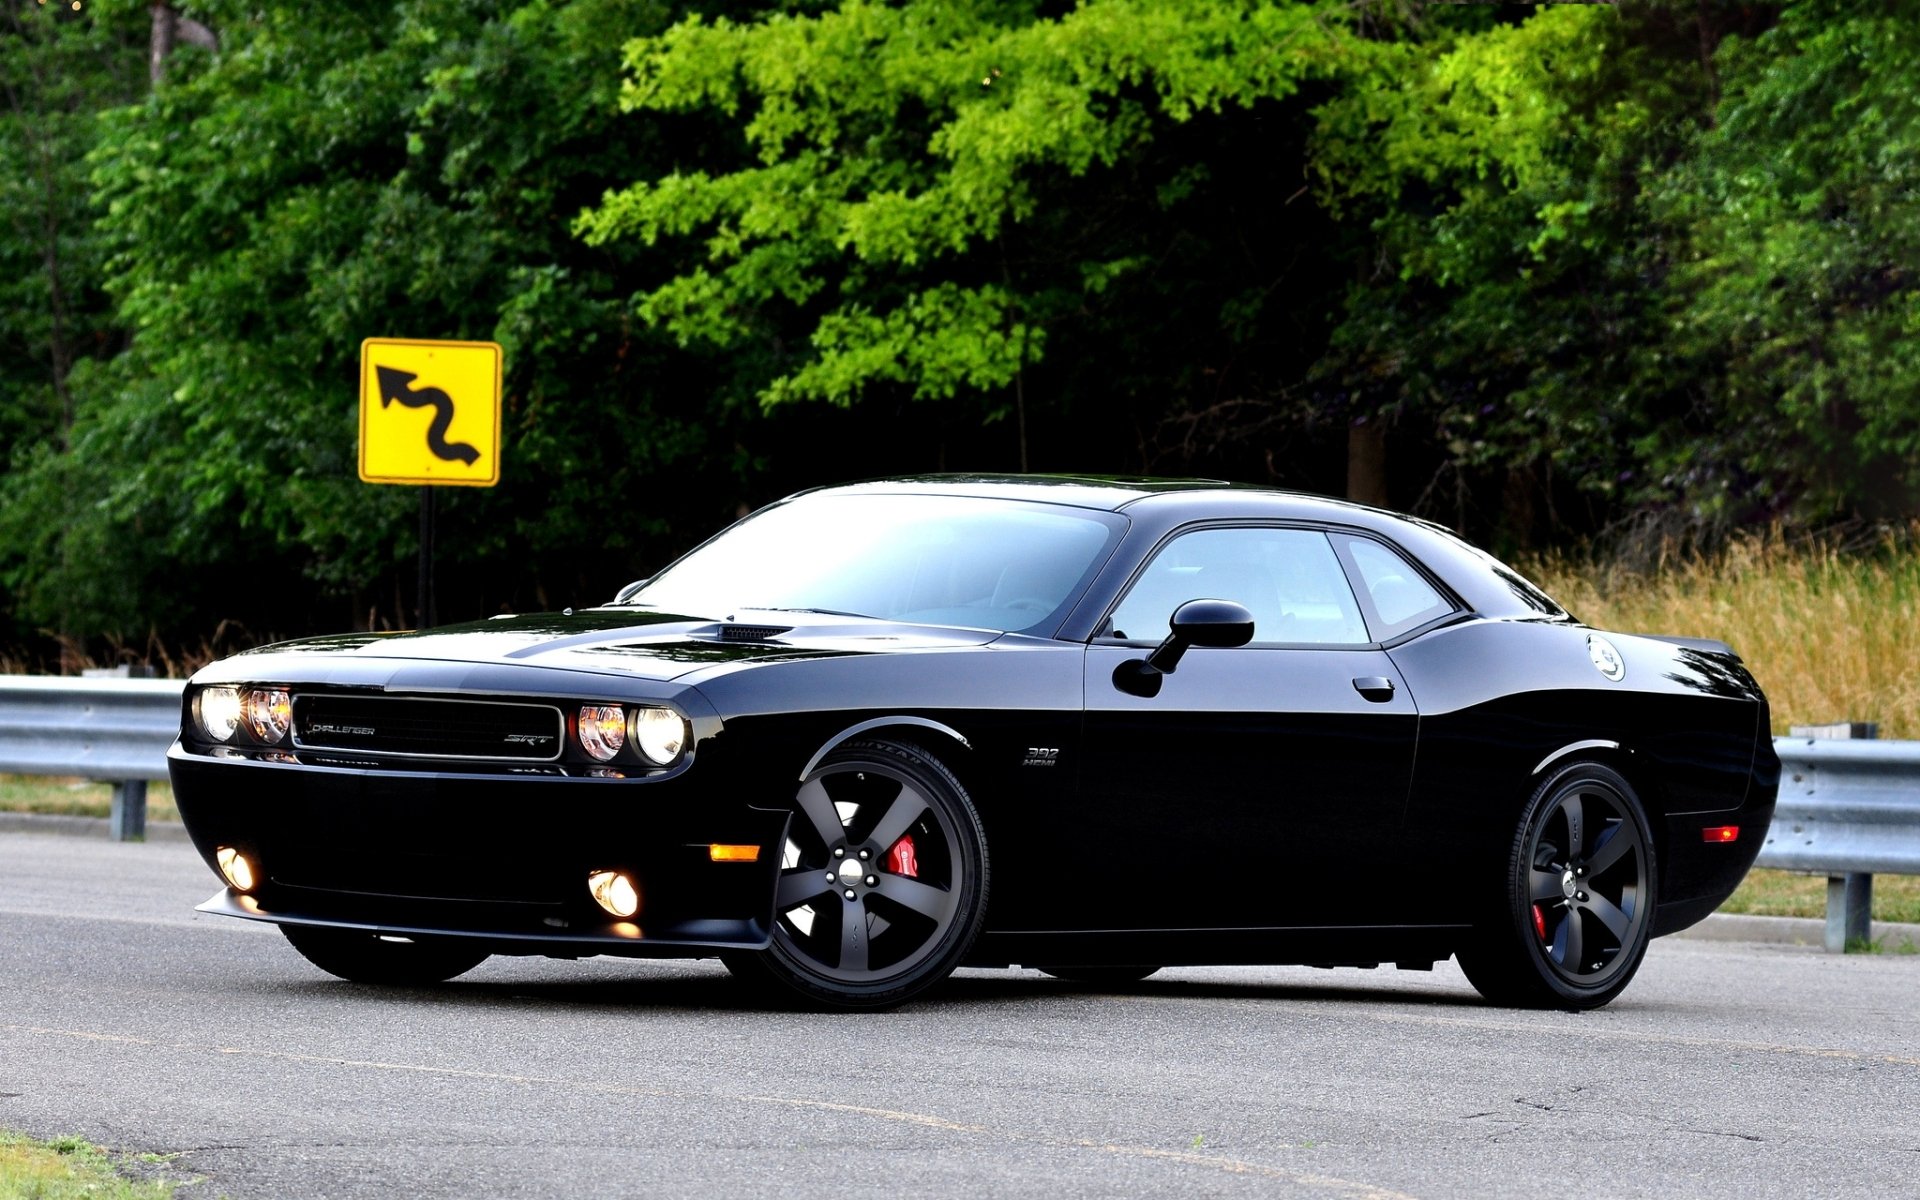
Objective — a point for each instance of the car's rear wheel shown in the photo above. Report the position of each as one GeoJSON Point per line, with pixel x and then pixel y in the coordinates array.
{"type": "Point", "coordinates": [367, 958]}
{"type": "Point", "coordinates": [1579, 886]}
{"type": "Point", "coordinates": [1100, 976]}
{"type": "Point", "coordinates": [883, 881]}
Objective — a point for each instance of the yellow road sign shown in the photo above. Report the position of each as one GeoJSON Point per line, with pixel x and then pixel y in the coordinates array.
{"type": "Point", "coordinates": [429, 412]}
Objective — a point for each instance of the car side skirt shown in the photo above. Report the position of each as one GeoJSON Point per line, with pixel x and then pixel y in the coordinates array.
{"type": "Point", "coordinates": [1348, 945]}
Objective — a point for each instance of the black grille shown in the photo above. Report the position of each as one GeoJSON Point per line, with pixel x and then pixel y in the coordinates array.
{"type": "Point", "coordinates": [428, 728]}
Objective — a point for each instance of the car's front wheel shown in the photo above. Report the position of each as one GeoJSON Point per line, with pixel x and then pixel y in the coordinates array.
{"type": "Point", "coordinates": [367, 958]}
{"type": "Point", "coordinates": [1579, 896]}
{"type": "Point", "coordinates": [883, 881]}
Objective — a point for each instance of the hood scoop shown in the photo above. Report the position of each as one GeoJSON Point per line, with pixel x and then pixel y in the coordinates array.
{"type": "Point", "coordinates": [728, 632]}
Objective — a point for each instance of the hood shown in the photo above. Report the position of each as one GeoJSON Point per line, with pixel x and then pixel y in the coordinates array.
{"type": "Point", "coordinates": [632, 641]}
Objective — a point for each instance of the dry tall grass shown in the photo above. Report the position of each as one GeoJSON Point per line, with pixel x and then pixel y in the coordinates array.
{"type": "Point", "coordinates": [1833, 634]}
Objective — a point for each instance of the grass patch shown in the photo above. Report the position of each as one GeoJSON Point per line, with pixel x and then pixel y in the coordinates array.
{"type": "Point", "coordinates": [76, 797]}
{"type": "Point", "coordinates": [67, 1168]}
{"type": "Point", "coordinates": [1828, 631]}
{"type": "Point", "coordinates": [1766, 893]}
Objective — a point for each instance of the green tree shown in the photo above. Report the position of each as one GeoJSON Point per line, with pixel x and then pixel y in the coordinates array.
{"type": "Point", "coordinates": [985, 208]}
{"type": "Point", "coordinates": [1795, 289]}
{"type": "Point", "coordinates": [58, 70]}
{"type": "Point", "coordinates": [1653, 257]}
{"type": "Point", "coordinates": [403, 169]}
{"type": "Point", "coordinates": [1509, 320]}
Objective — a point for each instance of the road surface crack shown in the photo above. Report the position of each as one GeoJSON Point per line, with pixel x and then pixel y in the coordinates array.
{"type": "Point", "coordinates": [1745, 1137]}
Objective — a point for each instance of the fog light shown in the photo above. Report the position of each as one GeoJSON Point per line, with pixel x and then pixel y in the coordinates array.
{"type": "Point", "coordinates": [614, 892]}
{"type": "Point", "coordinates": [236, 867]}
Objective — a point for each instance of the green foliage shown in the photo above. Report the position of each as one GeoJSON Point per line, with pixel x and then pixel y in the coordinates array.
{"type": "Point", "coordinates": [1796, 300]}
{"type": "Point", "coordinates": [1584, 263]}
{"type": "Point", "coordinates": [58, 71]}
{"type": "Point", "coordinates": [392, 170]}
{"type": "Point", "coordinates": [1515, 314]}
{"type": "Point", "coordinates": [69, 1168]}
{"type": "Point", "coordinates": [906, 197]}
{"type": "Point", "coordinates": [1661, 252]}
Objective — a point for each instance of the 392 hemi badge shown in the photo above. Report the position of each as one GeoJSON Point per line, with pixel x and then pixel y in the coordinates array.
{"type": "Point", "coordinates": [1041, 756]}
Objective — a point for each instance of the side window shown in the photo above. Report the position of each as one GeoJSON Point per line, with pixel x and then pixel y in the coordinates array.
{"type": "Point", "coordinates": [1401, 598]}
{"type": "Point", "coordinates": [1289, 579]}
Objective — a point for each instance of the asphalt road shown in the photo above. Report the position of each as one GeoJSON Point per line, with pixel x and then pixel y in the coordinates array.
{"type": "Point", "coordinates": [1726, 1070]}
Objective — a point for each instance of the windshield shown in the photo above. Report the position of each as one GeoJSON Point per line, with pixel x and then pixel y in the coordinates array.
{"type": "Point", "coordinates": [935, 560]}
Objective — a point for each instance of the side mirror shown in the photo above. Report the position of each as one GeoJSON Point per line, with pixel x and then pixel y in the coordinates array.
{"type": "Point", "coordinates": [626, 593]}
{"type": "Point", "coordinates": [1217, 623]}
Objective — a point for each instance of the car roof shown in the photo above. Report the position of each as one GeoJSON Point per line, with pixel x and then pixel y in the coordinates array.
{"type": "Point", "coordinates": [1110, 492]}
{"type": "Point", "coordinates": [1115, 493]}
{"type": "Point", "coordinates": [1486, 584]}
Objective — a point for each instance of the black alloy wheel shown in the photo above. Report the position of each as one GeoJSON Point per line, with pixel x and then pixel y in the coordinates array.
{"type": "Point", "coordinates": [883, 881]}
{"type": "Point", "coordinates": [1579, 897]}
{"type": "Point", "coordinates": [367, 958]}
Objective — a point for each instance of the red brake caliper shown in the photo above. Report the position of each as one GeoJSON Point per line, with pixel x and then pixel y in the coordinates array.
{"type": "Point", "coordinates": [1540, 922]}
{"type": "Point", "coordinates": [901, 859]}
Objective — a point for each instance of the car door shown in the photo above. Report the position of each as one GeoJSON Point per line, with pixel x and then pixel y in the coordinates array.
{"type": "Point", "coordinates": [1264, 785]}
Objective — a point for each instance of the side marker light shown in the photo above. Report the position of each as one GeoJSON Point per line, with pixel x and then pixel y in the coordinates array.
{"type": "Point", "coordinates": [721, 852]}
{"type": "Point", "coordinates": [1720, 833]}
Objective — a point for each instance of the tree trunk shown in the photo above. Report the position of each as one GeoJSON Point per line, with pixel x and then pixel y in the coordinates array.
{"type": "Point", "coordinates": [166, 27]}
{"type": "Point", "coordinates": [1367, 462]}
{"type": "Point", "coordinates": [1518, 515]}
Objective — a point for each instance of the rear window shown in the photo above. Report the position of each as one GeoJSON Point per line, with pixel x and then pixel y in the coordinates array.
{"type": "Point", "coordinates": [1397, 595]}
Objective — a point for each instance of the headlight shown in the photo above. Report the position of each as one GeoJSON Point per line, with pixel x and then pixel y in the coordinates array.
{"type": "Point", "coordinates": [603, 731]}
{"type": "Point", "coordinates": [660, 734]}
{"type": "Point", "coordinates": [217, 711]}
{"type": "Point", "coordinates": [268, 713]}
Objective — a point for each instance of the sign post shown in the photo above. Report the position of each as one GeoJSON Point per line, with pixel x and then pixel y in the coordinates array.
{"type": "Point", "coordinates": [430, 417]}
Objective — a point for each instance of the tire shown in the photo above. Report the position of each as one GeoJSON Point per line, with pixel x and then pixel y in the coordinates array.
{"type": "Point", "coordinates": [886, 927]}
{"type": "Point", "coordinates": [1579, 897]}
{"type": "Point", "coordinates": [365, 958]}
{"type": "Point", "coordinates": [1100, 976]}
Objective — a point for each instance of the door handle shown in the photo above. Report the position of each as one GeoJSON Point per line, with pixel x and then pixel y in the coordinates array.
{"type": "Point", "coordinates": [1377, 688]}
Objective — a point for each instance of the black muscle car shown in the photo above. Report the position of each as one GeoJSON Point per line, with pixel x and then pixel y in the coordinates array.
{"type": "Point", "coordinates": [874, 732]}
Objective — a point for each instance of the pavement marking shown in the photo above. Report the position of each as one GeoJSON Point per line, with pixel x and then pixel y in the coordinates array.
{"type": "Point", "coordinates": [1635, 1035]}
{"type": "Point", "coordinates": [183, 922]}
{"type": "Point", "coordinates": [1599, 1033]}
{"type": "Point", "coordinates": [1232, 1166]}
{"type": "Point", "coordinates": [1596, 1032]}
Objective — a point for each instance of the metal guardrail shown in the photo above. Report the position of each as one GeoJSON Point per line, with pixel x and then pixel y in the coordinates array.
{"type": "Point", "coordinates": [1848, 810]}
{"type": "Point", "coordinates": [113, 730]}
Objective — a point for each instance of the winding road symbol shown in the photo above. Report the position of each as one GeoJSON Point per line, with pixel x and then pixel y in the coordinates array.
{"type": "Point", "coordinates": [461, 393]}
{"type": "Point", "coordinates": [394, 385]}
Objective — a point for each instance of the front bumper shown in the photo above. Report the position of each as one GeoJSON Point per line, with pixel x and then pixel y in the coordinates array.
{"type": "Point", "coordinates": [499, 858]}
